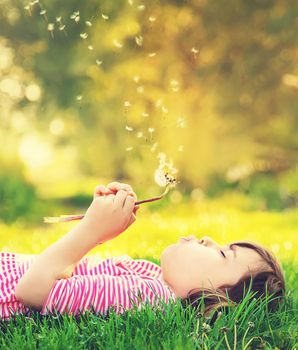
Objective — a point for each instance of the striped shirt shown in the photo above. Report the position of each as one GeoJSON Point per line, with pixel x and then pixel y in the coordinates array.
{"type": "Point", "coordinates": [95, 284]}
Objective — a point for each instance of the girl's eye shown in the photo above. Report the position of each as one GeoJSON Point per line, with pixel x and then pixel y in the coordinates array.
{"type": "Point", "coordinates": [223, 254]}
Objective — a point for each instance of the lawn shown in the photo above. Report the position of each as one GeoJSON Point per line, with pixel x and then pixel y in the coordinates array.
{"type": "Point", "coordinates": [248, 326]}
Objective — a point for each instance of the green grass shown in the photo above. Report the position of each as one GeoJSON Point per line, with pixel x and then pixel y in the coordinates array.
{"type": "Point", "coordinates": [247, 326]}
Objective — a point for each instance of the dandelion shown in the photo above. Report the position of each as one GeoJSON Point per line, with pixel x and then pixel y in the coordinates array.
{"type": "Point", "coordinates": [117, 43]}
{"type": "Point", "coordinates": [88, 24]}
{"type": "Point", "coordinates": [84, 36]}
{"type": "Point", "coordinates": [98, 62]}
{"type": "Point", "coordinates": [163, 175]}
{"type": "Point", "coordinates": [129, 148]}
{"type": "Point", "coordinates": [141, 7]}
{"type": "Point", "coordinates": [145, 115]}
{"type": "Point", "coordinates": [90, 47]}
{"type": "Point", "coordinates": [106, 17]}
{"type": "Point", "coordinates": [152, 54]}
{"type": "Point", "coordinates": [127, 104]}
{"type": "Point", "coordinates": [206, 327]}
{"type": "Point", "coordinates": [128, 128]}
{"type": "Point", "coordinates": [139, 40]}
{"type": "Point", "coordinates": [152, 19]}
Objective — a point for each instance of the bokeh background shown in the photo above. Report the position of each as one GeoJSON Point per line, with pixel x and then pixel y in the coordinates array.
{"type": "Point", "coordinates": [96, 91]}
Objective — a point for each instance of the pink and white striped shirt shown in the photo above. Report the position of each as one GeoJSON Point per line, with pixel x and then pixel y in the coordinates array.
{"type": "Point", "coordinates": [95, 284]}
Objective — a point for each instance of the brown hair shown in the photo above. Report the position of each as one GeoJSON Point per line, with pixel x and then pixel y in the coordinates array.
{"type": "Point", "coordinates": [269, 280]}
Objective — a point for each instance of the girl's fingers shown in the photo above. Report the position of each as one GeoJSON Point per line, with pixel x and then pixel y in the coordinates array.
{"type": "Point", "coordinates": [101, 190]}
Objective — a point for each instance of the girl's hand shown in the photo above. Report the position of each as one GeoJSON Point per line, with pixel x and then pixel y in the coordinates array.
{"type": "Point", "coordinates": [110, 215]}
{"type": "Point", "coordinates": [113, 188]}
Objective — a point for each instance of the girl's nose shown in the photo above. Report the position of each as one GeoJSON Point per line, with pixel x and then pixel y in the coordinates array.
{"type": "Point", "coordinates": [207, 241]}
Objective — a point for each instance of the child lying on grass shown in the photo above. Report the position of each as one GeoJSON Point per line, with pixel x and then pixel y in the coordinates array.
{"type": "Point", "coordinates": [62, 279]}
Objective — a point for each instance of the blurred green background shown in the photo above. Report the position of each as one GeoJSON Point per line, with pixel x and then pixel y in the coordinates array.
{"type": "Point", "coordinates": [92, 92]}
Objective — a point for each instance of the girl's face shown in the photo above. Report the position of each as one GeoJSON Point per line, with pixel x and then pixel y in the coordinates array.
{"type": "Point", "coordinates": [202, 263]}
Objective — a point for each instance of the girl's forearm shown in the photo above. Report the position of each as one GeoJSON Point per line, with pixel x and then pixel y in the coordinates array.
{"type": "Point", "coordinates": [55, 262]}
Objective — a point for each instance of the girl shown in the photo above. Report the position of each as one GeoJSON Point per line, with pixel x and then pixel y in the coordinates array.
{"type": "Point", "coordinates": [62, 279]}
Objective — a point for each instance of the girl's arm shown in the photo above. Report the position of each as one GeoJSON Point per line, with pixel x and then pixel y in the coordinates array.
{"type": "Point", "coordinates": [55, 262]}
{"type": "Point", "coordinates": [104, 220]}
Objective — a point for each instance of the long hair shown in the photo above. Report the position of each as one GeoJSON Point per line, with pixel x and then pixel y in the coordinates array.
{"type": "Point", "coordinates": [268, 281]}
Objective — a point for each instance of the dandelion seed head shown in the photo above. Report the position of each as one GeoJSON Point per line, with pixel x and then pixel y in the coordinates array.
{"type": "Point", "coordinates": [139, 40]}
{"type": "Point", "coordinates": [84, 36]}
{"type": "Point", "coordinates": [106, 17]}
{"type": "Point", "coordinates": [128, 128]}
{"type": "Point", "coordinates": [90, 47]}
{"type": "Point", "coordinates": [51, 26]}
{"type": "Point", "coordinates": [88, 24]}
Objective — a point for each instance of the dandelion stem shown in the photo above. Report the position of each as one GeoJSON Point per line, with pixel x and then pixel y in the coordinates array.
{"type": "Point", "coordinates": [65, 218]}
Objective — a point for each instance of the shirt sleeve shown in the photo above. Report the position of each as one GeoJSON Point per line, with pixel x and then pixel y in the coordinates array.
{"type": "Point", "coordinates": [99, 293]}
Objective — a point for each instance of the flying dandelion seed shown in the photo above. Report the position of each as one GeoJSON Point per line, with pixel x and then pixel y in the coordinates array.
{"type": "Point", "coordinates": [139, 134]}
{"type": "Point", "coordinates": [194, 50]}
{"type": "Point", "coordinates": [180, 148]}
{"type": "Point", "coordinates": [51, 28]}
{"type": "Point", "coordinates": [164, 109]}
{"type": "Point", "coordinates": [90, 47]}
{"type": "Point", "coordinates": [139, 40]}
{"type": "Point", "coordinates": [75, 14]}
{"type": "Point", "coordinates": [61, 28]}
{"type": "Point", "coordinates": [158, 103]}
{"type": "Point", "coordinates": [106, 17]}
{"type": "Point", "coordinates": [77, 19]}
{"type": "Point", "coordinates": [88, 24]}
{"type": "Point", "coordinates": [130, 2]}
{"type": "Point", "coordinates": [28, 8]}
{"type": "Point", "coordinates": [136, 78]}
{"type": "Point", "coordinates": [98, 62]}
{"type": "Point", "coordinates": [117, 44]}
{"type": "Point", "coordinates": [128, 128]}
{"type": "Point", "coordinates": [58, 19]}
{"type": "Point", "coordinates": [174, 85]}
{"type": "Point", "coordinates": [152, 54]}
{"type": "Point", "coordinates": [84, 36]}
{"type": "Point", "coordinates": [144, 114]}
{"type": "Point", "coordinates": [140, 89]}
{"type": "Point", "coordinates": [141, 7]}
{"type": "Point", "coordinates": [153, 148]}
{"type": "Point", "coordinates": [152, 19]}
{"type": "Point", "coordinates": [151, 130]}
{"type": "Point", "coordinates": [181, 122]}
{"type": "Point", "coordinates": [129, 148]}
{"type": "Point", "coordinates": [127, 104]}
{"type": "Point", "coordinates": [43, 12]}
{"type": "Point", "coordinates": [79, 98]}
